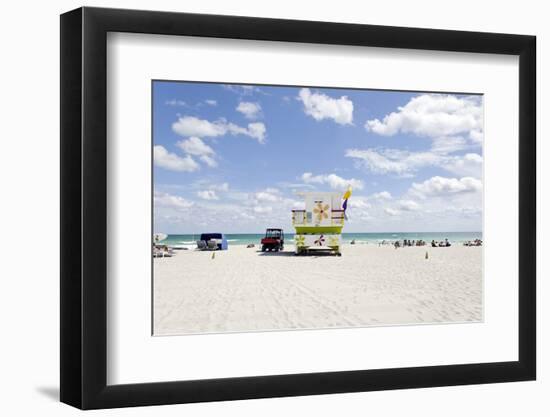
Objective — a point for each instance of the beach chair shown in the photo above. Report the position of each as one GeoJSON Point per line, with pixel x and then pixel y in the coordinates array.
{"type": "Point", "coordinates": [212, 245]}
{"type": "Point", "coordinates": [201, 245]}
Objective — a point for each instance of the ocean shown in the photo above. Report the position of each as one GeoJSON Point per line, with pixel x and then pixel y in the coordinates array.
{"type": "Point", "coordinates": [360, 238]}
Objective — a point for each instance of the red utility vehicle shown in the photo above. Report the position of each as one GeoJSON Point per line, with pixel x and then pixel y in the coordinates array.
{"type": "Point", "coordinates": [274, 240]}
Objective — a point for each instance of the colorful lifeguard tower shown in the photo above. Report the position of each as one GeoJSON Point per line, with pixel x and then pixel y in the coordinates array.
{"type": "Point", "coordinates": [319, 226]}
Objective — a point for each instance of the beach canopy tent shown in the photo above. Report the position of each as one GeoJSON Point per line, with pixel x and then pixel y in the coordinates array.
{"type": "Point", "coordinates": [219, 238]}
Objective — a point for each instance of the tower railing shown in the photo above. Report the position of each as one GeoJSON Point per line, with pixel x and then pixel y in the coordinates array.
{"type": "Point", "coordinates": [305, 218]}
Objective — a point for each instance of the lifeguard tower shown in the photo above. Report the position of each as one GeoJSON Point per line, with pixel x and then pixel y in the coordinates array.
{"type": "Point", "coordinates": [319, 226]}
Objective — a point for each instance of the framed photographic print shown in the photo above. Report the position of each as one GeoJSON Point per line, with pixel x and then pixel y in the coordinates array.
{"type": "Point", "coordinates": [257, 208]}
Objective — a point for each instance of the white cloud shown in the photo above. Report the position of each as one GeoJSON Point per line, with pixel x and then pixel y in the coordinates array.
{"type": "Point", "coordinates": [320, 106]}
{"type": "Point", "coordinates": [448, 144]}
{"type": "Point", "coordinates": [382, 195]}
{"type": "Point", "coordinates": [175, 102]}
{"type": "Point", "coordinates": [360, 203]}
{"type": "Point", "coordinates": [297, 204]}
{"type": "Point", "coordinates": [267, 196]}
{"type": "Point", "coordinates": [333, 180]}
{"type": "Point", "coordinates": [257, 131]}
{"type": "Point", "coordinates": [249, 110]}
{"type": "Point", "coordinates": [171, 201]}
{"type": "Point", "coordinates": [294, 185]}
{"type": "Point", "coordinates": [470, 165]}
{"type": "Point", "coordinates": [391, 212]}
{"type": "Point", "coordinates": [170, 161]}
{"type": "Point", "coordinates": [408, 205]}
{"type": "Point", "coordinates": [405, 164]}
{"type": "Point", "coordinates": [451, 123]}
{"type": "Point", "coordinates": [205, 184]}
{"type": "Point", "coordinates": [208, 195]}
{"type": "Point", "coordinates": [440, 186]}
{"type": "Point", "coordinates": [392, 161]}
{"type": "Point", "coordinates": [262, 209]}
{"type": "Point", "coordinates": [433, 115]}
{"type": "Point", "coordinates": [208, 160]}
{"type": "Point", "coordinates": [181, 103]}
{"type": "Point", "coordinates": [476, 135]}
{"type": "Point", "coordinates": [220, 187]}
{"type": "Point", "coordinates": [243, 90]}
{"type": "Point", "coordinates": [193, 126]}
{"type": "Point", "coordinates": [195, 146]}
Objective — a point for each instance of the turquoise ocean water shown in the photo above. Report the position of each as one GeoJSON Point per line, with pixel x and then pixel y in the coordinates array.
{"type": "Point", "coordinates": [368, 238]}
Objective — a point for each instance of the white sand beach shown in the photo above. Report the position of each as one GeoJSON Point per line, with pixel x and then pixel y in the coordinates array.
{"type": "Point", "coordinates": [243, 289]}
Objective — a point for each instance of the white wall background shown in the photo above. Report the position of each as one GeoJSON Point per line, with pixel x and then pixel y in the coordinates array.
{"type": "Point", "coordinates": [29, 177]}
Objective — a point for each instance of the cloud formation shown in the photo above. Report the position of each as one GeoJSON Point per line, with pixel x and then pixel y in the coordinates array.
{"type": "Point", "coordinates": [243, 90]}
{"type": "Point", "coordinates": [440, 186]}
{"type": "Point", "coordinates": [172, 162]}
{"type": "Point", "coordinates": [391, 212]}
{"type": "Point", "coordinates": [320, 107]}
{"type": "Point", "coordinates": [392, 161]}
{"type": "Point", "coordinates": [171, 201]}
{"type": "Point", "coordinates": [405, 163]}
{"type": "Point", "coordinates": [382, 195]}
{"type": "Point", "coordinates": [195, 146]}
{"type": "Point", "coordinates": [433, 115]}
{"type": "Point", "coordinates": [408, 205]}
{"type": "Point", "coordinates": [470, 164]}
{"type": "Point", "coordinates": [270, 195]}
{"type": "Point", "coordinates": [192, 126]}
{"type": "Point", "coordinates": [208, 195]}
{"type": "Point", "coordinates": [332, 180]}
{"type": "Point", "coordinates": [249, 110]}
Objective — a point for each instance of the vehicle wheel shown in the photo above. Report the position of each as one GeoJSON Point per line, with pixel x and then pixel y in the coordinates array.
{"type": "Point", "coordinates": [263, 248]}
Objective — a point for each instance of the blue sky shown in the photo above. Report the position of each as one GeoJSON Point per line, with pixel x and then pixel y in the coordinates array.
{"type": "Point", "coordinates": [231, 158]}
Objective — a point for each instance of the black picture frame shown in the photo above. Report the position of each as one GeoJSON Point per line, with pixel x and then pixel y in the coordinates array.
{"type": "Point", "coordinates": [84, 207]}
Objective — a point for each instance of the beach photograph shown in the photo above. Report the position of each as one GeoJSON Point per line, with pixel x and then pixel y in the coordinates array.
{"type": "Point", "coordinates": [284, 208]}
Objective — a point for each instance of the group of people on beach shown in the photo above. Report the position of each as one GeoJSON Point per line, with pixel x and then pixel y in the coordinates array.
{"type": "Point", "coordinates": [442, 244]}
{"type": "Point", "coordinates": [407, 242]}
{"type": "Point", "coordinates": [475, 242]}
{"type": "Point", "coordinates": [162, 251]}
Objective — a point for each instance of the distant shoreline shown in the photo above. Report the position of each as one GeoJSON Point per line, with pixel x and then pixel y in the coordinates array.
{"type": "Point", "coordinates": [238, 239]}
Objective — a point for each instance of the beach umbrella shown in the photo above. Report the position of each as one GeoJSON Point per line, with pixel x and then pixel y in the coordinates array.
{"type": "Point", "coordinates": [157, 237]}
